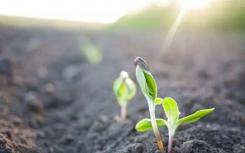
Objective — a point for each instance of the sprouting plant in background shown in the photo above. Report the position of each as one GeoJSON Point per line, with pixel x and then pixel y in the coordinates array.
{"type": "Point", "coordinates": [149, 89]}
{"type": "Point", "coordinates": [91, 52]}
{"type": "Point", "coordinates": [124, 89]}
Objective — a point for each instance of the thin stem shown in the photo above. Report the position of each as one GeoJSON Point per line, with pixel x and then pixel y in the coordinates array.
{"type": "Point", "coordinates": [171, 132]}
{"type": "Point", "coordinates": [170, 143]}
{"type": "Point", "coordinates": [155, 128]}
{"type": "Point", "coordinates": [124, 112]}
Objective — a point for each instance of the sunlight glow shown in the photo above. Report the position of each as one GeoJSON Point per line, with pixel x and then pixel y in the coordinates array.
{"type": "Point", "coordinates": [170, 35]}
{"type": "Point", "coordinates": [103, 11]}
{"type": "Point", "coordinates": [193, 4]}
{"type": "Point", "coordinates": [186, 5]}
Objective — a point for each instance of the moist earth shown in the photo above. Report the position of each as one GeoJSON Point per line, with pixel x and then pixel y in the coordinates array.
{"type": "Point", "coordinates": [54, 101]}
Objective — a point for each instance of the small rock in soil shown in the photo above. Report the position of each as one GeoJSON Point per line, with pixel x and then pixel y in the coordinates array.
{"type": "Point", "coordinates": [198, 146]}
{"type": "Point", "coordinates": [135, 148]}
{"type": "Point", "coordinates": [49, 88]}
{"type": "Point", "coordinates": [42, 72]}
{"type": "Point", "coordinates": [33, 103]}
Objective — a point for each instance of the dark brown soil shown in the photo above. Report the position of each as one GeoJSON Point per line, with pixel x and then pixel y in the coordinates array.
{"type": "Point", "coordinates": [53, 101]}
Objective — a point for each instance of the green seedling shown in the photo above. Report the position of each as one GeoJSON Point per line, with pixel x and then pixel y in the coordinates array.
{"type": "Point", "coordinates": [91, 52]}
{"type": "Point", "coordinates": [173, 122]}
{"type": "Point", "coordinates": [124, 89]}
{"type": "Point", "coordinates": [149, 89]}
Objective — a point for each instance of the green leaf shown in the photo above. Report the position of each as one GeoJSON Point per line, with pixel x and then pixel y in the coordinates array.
{"type": "Point", "coordinates": [171, 109]}
{"type": "Point", "coordinates": [141, 79]}
{"type": "Point", "coordinates": [124, 88]}
{"type": "Point", "coordinates": [158, 101]}
{"type": "Point", "coordinates": [131, 88]}
{"type": "Point", "coordinates": [151, 87]}
{"type": "Point", "coordinates": [195, 116]}
{"type": "Point", "coordinates": [146, 82]}
{"type": "Point", "coordinates": [118, 87]}
{"type": "Point", "coordinates": [145, 124]}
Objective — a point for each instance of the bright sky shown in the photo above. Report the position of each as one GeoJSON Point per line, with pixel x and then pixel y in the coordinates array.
{"type": "Point", "coordinates": [104, 11]}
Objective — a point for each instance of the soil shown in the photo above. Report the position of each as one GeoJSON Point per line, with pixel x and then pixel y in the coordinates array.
{"type": "Point", "coordinates": [53, 101]}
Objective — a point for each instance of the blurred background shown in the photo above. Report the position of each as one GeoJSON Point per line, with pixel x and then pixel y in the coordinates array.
{"type": "Point", "coordinates": [140, 15]}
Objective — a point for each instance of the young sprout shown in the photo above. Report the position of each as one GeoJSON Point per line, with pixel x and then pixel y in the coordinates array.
{"type": "Point", "coordinates": [148, 87]}
{"type": "Point", "coordinates": [124, 89]}
{"type": "Point", "coordinates": [91, 52]}
{"type": "Point", "coordinates": [173, 122]}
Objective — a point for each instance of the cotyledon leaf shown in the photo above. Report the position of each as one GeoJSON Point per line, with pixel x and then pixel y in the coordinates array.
{"type": "Point", "coordinates": [145, 124]}
{"type": "Point", "coordinates": [171, 109]}
{"type": "Point", "coordinates": [195, 116]}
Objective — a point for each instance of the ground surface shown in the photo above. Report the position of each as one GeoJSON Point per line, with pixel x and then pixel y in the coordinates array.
{"type": "Point", "coordinates": [53, 101]}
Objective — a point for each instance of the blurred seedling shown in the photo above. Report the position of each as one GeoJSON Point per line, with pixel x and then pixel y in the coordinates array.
{"type": "Point", "coordinates": [149, 89]}
{"type": "Point", "coordinates": [124, 89]}
{"type": "Point", "coordinates": [172, 113]}
{"type": "Point", "coordinates": [91, 52]}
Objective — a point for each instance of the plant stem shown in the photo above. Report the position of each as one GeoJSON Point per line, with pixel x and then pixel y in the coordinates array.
{"type": "Point", "coordinates": [170, 140]}
{"type": "Point", "coordinates": [124, 112]}
{"type": "Point", "coordinates": [154, 127]}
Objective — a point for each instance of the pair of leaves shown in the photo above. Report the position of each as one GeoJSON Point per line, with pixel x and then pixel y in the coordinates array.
{"type": "Point", "coordinates": [124, 88]}
{"type": "Point", "coordinates": [172, 112]}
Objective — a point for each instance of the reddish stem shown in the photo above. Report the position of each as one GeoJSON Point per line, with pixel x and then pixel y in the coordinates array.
{"type": "Point", "coordinates": [170, 143]}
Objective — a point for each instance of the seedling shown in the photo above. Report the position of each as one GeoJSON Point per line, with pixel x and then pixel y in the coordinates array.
{"type": "Point", "coordinates": [91, 52]}
{"type": "Point", "coordinates": [124, 89]}
{"type": "Point", "coordinates": [173, 122]}
{"type": "Point", "coordinates": [148, 87]}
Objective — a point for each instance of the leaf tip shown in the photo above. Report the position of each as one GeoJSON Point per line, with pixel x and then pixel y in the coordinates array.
{"type": "Point", "coordinates": [138, 61]}
{"type": "Point", "coordinates": [124, 75]}
{"type": "Point", "coordinates": [168, 100]}
{"type": "Point", "coordinates": [139, 127]}
{"type": "Point", "coordinates": [212, 109]}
